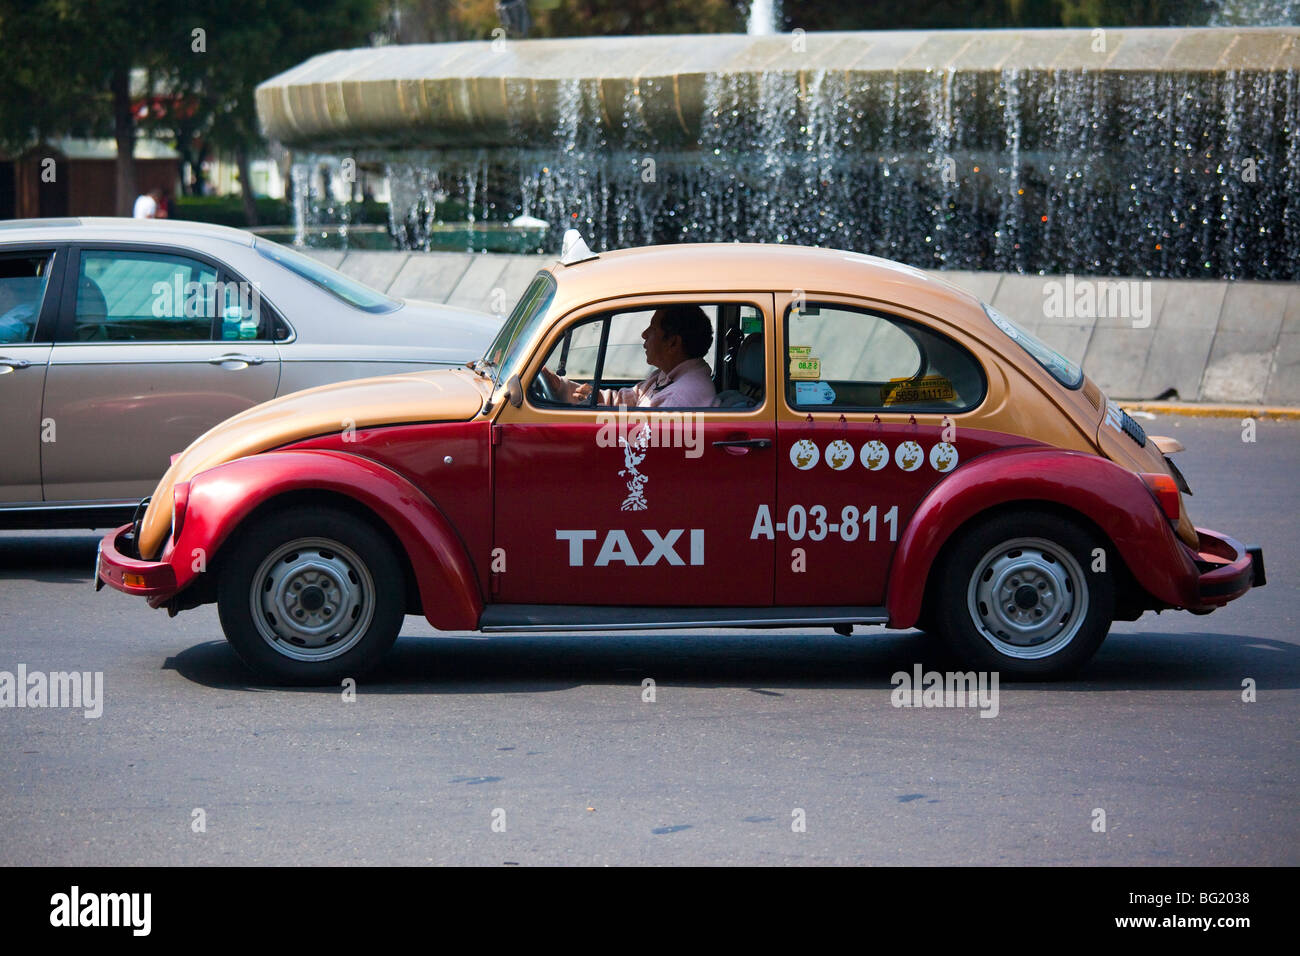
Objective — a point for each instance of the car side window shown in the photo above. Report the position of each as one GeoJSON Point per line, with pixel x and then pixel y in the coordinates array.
{"type": "Point", "coordinates": [23, 279]}
{"type": "Point", "coordinates": [607, 352]}
{"type": "Point", "coordinates": [130, 296]}
{"type": "Point", "coordinates": [850, 358]}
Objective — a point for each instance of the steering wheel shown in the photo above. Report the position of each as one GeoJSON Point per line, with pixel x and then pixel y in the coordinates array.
{"type": "Point", "coordinates": [545, 391]}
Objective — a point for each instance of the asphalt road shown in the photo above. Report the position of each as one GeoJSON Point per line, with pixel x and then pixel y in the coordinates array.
{"type": "Point", "coordinates": [550, 736]}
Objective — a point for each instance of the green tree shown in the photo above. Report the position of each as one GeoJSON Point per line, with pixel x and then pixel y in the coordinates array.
{"type": "Point", "coordinates": [244, 43]}
{"type": "Point", "coordinates": [67, 68]}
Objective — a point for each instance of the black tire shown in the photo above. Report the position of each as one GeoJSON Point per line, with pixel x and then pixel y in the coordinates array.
{"type": "Point", "coordinates": [1053, 611]}
{"type": "Point", "coordinates": [331, 570]}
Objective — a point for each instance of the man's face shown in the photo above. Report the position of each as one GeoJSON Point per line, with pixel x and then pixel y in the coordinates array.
{"type": "Point", "coordinates": [663, 353]}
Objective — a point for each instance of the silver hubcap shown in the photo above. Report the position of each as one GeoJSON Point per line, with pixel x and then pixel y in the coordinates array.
{"type": "Point", "coordinates": [1028, 598]}
{"type": "Point", "coordinates": [312, 599]}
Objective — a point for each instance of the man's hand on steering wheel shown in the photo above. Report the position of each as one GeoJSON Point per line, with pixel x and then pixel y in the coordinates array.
{"type": "Point", "coordinates": [558, 390]}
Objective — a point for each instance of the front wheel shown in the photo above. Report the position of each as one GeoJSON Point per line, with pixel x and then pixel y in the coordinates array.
{"type": "Point", "coordinates": [310, 597]}
{"type": "Point", "coordinates": [1020, 596]}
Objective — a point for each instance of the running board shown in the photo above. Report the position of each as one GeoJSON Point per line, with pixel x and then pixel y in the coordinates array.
{"type": "Point", "coordinates": [576, 617]}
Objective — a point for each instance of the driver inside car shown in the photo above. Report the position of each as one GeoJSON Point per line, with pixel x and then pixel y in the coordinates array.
{"type": "Point", "coordinates": [676, 340]}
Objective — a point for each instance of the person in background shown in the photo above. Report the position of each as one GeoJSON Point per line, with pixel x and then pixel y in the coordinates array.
{"type": "Point", "coordinates": [146, 205]}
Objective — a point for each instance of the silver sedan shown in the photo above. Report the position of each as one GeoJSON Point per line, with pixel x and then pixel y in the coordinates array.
{"type": "Point", "coordinates": [122, 340]}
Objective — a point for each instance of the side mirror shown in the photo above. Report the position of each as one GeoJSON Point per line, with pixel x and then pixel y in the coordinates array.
{"type": "Point", "coordinates": [515, 391]}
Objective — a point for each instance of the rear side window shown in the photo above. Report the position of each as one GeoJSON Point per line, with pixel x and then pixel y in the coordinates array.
{"type": "Point", "coordinates": [144, 297]}
{"type": "Point", "coordinates": [862, 360]}
{"type": "Point", "coordinates": [23, 279]}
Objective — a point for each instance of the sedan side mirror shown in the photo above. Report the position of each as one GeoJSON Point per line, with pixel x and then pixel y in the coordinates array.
{"type": "Point", "coordinates": [515, 391]}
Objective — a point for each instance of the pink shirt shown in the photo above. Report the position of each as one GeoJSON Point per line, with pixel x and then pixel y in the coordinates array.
{"type": "Point", "coordinates": [689, 384]}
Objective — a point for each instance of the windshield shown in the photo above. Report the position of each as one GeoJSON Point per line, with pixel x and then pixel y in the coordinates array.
{"type": "Point", "coordinates": [1061, 368]}
{"type": "Point", "coordinates": [528, 312]}
{"type": "Point", "coordinates": [323, 277]}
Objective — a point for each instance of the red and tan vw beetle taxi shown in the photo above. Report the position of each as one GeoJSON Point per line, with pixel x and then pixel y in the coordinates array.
{"type": "Point", "coordinates": [864, 444]}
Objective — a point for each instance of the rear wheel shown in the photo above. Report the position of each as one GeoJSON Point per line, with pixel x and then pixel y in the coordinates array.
{"type": "Point", "coordinates": [311, 597]}
{"type": "Point", "coordinates": [1019, 596]}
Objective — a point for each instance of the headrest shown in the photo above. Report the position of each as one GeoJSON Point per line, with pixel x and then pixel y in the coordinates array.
{"type": "Point", "coordinates": [750, 361]}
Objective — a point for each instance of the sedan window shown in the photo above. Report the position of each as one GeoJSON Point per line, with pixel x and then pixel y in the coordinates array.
{"type": "Point", "coordinates": [22, 290]}
{"type": "Point", "coordinates": [144, 297]}
{"type": "Point", "coordinates": [323, 277]}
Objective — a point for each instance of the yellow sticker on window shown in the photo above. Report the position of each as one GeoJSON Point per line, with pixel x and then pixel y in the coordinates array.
{"type": "Point", "coordinates": [805, 368]}
{"type": "Point", "coordinates": [932, 388]}
{"type": "Point", "coordinates": [800, 351]}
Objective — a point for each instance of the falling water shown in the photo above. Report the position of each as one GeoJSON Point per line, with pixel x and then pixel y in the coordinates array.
{"type": "Point", "coordinates": [763, 15]}
{"type": "Point", "coordinates": [1141, 173]}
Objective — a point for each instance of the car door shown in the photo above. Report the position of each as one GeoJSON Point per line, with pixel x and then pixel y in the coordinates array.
{"type": "Point", "coordinates": [29, 294]}
{"type": "Point", "coordinates": [639, 507]}
{"type": "Point", "coordinates": [155, 345]}
{"type": "Point", "coordinates": [873, 413]}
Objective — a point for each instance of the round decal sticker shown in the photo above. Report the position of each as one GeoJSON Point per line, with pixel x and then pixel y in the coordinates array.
{"type": "Point", "coordinates": [908, 456]}
{"type": "Point", "coordinates": [943, 457]}
{"type": "Point", "coordinates": [839, 454]}
{"type": "Point", "coordinates": [875, 455]}
{"type": "Point", "coordinates": [804, 454]}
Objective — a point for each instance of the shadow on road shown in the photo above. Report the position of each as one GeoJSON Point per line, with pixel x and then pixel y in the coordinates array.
{"type": "Point", "coordinates": [55, 557]}
{"type": "Point", "coordinates": [765, 663]}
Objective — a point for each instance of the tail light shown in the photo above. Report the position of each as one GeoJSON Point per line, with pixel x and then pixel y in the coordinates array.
{"type": "Point", "coordinates": [1165, 489]}
{"type": "Point", "coordinates": [180, 501]}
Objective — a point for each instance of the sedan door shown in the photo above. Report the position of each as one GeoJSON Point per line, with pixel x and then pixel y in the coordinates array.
{"type": "Point", "coordinates": [155, 346]}
{"type": "Point", "coordinates": [29, 293]}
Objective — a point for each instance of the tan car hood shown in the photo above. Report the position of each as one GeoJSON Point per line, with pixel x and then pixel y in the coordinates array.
{"type": "Point", "coordinates": [438, 395]}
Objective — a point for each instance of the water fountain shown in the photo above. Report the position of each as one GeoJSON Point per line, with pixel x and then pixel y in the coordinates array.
{"type": "Point", "coordinates": [1163, 152]}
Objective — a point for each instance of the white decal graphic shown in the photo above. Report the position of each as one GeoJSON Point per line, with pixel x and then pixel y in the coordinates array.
{"type": "Point", "coordinates": [874, 455]}
{"type": "Point", "coordinates": [943, 457]}
{"type": "Point", "coordinates": [634, 452]}
{"type": "Point", "coordinates": [617, 547]}
{"type": "Point", "coordinates": [804, 454]}
{"type": "Point", "coordinates": [839, 454]}
{"type": "Point", "coordinates": [908, 456]}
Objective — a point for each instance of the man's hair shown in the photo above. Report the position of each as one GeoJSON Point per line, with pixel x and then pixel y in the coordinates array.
{"type": "Point", "coordinates": [689, 322]}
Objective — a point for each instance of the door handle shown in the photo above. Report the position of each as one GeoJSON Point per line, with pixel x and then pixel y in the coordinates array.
{"type": "Point", "coordinates": [234, 357]}
{"type": "Point", "coordinates": [12, 364]}
{"type": "Point", "coordinates": [741, 446]}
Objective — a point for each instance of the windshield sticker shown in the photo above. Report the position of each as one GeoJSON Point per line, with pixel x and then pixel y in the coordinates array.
{"type": "Point", "coordinates": [804, 454]}
{"type": "Point", "coordinates": [813, 393]}
{"type": "Point", "coordinates": [634, 452]}
{"type": "Point", "coordinates": [932, 388]}
{"type": "Point", "coordinates": [806, 368]}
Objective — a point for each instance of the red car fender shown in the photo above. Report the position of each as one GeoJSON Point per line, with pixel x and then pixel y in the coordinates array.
{"type": "Point", "coordinates": [222, 497]}
{"type": "Point", "coordinates": [1112, 497]}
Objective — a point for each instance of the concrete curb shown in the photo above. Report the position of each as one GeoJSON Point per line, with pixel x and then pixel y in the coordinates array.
{"type": "Point", "coordinates": [1210, 410]}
